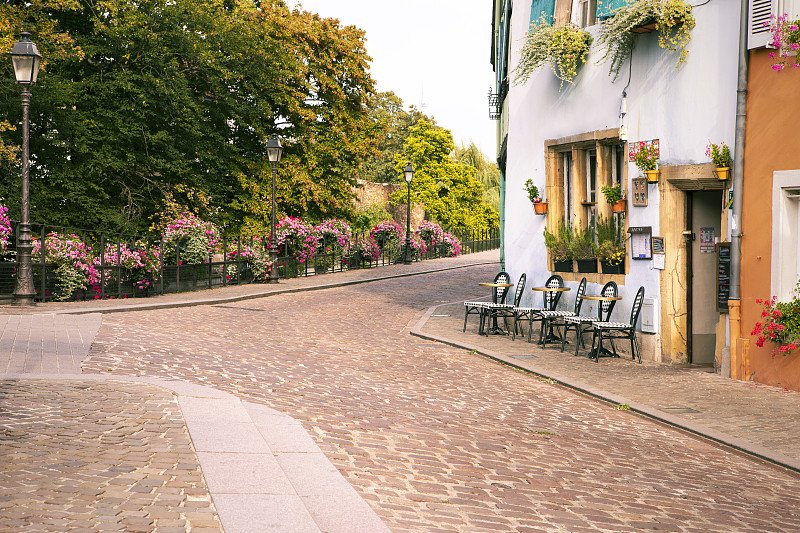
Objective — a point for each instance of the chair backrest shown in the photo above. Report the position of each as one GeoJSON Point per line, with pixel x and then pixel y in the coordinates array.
{"type": "Point", "coordinates": [637, 306]}
{"type": "Point", "coordinates": [520, 289]}
{"type": "Point", "coordinates": [605, 308]}
{"type": "Point", "coordinates": [578, 296]}
{"type": "Point", "coordinates": [551, 298]}
{"type": "Point", "coordinates": [499, 293]}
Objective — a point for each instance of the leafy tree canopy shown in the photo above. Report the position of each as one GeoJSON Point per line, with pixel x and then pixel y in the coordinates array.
{"type": "Point", "coordinates": [449, 190]}
{"type": "Point", "coordinates": [140, 101]}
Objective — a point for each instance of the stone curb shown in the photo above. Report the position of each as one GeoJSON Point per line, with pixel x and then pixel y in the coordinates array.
{"type": "Point", "coordinates": [232, 299]}
{"type": "Point", "coordinates": [263, 471]}
{"type": "Point", "coordinates": [719, 437]}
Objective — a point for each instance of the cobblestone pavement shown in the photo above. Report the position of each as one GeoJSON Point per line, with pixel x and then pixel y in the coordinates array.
{"type": "Point", "coordinates": [439, 439]}
{"type": "Point", "coordinates": [98, 456]}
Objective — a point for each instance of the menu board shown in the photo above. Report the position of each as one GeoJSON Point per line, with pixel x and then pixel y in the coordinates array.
{"type": "Point", "coordinates": [723, 276]}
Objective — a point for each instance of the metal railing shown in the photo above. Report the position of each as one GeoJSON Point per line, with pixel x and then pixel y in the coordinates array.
{"type": "Point", "coordinates": [172, 274]}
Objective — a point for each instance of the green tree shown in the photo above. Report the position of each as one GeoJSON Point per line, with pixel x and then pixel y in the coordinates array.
{"type": "Point", "coordinates": [486, 172]}
{"type": "Point", "coordinates": [386, 110]}
{"type": "Point", "coordinates": [449, 190]}
{"type": "Point", "coordinates": [169, 96]}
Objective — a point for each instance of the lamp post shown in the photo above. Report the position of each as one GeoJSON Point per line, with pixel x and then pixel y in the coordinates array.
{"type": "Point", "coordinates": [274, 151]}
{"type": "Point", "coordinates": [408, 173]}
{"type": "Point", "coordinates": [26, 60]}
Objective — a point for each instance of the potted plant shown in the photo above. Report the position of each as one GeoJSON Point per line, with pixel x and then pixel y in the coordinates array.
{"type": "Point", "coordinates": [565, 47]}
{"type": "Point", "coordinates": [611, 247]}
{"type": "Point", "coordinates": [583, 250]}
{"type": "Point", "coordinates": [613, 194]}
{"type": "Point", "coordinates": [720, 155]}
{"type": "Point", "coordinates": [647, 162]}
{"type": "Point", "coordinates": [558, 245]}
{"type": "Point", "coordinates": [780, 324]}
{"type": "Point", "coordinates": [539, 205]}
{"type": "Point", "coordinates": [673, 21]}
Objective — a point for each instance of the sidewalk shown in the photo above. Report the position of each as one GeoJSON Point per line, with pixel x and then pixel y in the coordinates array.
{"type": "Point", "coordinates": [251, 464]}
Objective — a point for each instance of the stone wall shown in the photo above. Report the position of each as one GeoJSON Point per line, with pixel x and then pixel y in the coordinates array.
{"type": "Point", "coordinates": [378, 193]}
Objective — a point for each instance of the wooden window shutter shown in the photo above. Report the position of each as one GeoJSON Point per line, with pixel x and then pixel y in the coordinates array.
{"type": "Point", "coordinates": [759, 17]}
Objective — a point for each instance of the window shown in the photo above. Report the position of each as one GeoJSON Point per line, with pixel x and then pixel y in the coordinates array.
{"type": "Point", "coordinates": [587, 11]}
{"type": "Point", "coordinates": [607, 8]}
{"type": "Point", "coordinates": [785, 233]}
{"type": "Point", "coordinates": [567, 185]}
{"type": "Point", "coordinates": [590, 215]}
{"type": "Point", "coordinates": [761, 13]}
{"type": "Point", "coordinates": [541, 8]}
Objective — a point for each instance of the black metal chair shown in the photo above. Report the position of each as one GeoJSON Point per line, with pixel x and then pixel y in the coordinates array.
{"type": "Point", "coordinates": [555, 318]}
{"type": "Point", "coordinates": [619, 330]}
{"type": "Point", "coordinates": [493, 311]}
{"type": "Point", "coordinates": [550, 300]}
{"type": "Point", "coordinates": [582, 324]}
{"type": "Point", "coordinates": [498, 295]}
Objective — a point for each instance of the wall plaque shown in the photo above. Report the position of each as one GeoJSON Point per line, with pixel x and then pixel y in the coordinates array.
{"type": "Point", "coordinates": [639, 192]}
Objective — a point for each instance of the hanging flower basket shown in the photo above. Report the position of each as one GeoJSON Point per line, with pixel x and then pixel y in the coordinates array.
{"type": "Point", "coordinates": [540, 208]}
{"type": "Point", "coordinates": [723, 173]}
{"type": "Point", "coordinates": [652, 175]}
{"type": "Point", "coordinates": [620, 206]}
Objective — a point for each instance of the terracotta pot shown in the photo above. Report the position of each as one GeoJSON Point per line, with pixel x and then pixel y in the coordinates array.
{"type": "Point", "coordinates": [652, 176]}
{"type": "Point", "coordinates": [620, 206]}
{"type": "Point", "coordinates": [723, 173]}
{"type": "Point", "coordinates": [540, 208]}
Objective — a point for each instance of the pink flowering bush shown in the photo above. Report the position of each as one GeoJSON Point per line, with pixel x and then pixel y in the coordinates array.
{"type": "Point", "coordinates": [334, 233]}
{"type": "Point", "coordinates": [5, 229]}
{"type": "Point", "coordinates": [452, 246]}
{"type": "Point", "coordinates": [142, 262]}
{"type": "Point", "coordinates": [197, 239]}
{"type": "Point", "coordinates": [780, 324]}
{"type": "Point", "coordinates": [74, 260]}
{"type": "Point", "coordinates": [786, 39]}
{"type": "Point", "coordinates": [368, 248]}
{"type": "Point", "coordinates": [256, 253]}
{"type": "Point", "coordinates": [299, 238]}
{"type": "Point", "coordinates": [431, 233]}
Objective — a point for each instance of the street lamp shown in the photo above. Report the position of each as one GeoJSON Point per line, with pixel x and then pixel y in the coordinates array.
{"type": "Point", "coordinates": [274, 151]}
{"type": "Point", "coordinates": [26, 60]}
{"type": "Point", "coordinates": [408, 173]}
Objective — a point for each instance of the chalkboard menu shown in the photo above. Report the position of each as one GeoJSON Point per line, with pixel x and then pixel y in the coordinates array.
{"type": "Point", "coordinates": [723, 276]}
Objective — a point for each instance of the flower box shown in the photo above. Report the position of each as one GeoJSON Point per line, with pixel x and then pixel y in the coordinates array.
{"type": "Point", "coordinates": [587, 266]}
{"type": "Point", "coordinates": [562, 266]}
{"type": "Point", "coordinates": [609, 268]}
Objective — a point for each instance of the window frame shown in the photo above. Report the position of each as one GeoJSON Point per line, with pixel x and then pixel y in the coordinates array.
{"type": "Point", "coordinates": [785, 260]}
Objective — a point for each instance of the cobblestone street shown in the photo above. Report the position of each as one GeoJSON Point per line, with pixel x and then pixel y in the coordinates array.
{"type": "Point", "coordinates": [439, 439]}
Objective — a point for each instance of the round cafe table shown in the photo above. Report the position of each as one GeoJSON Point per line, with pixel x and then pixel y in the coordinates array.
{"type": "Point", "coordinates": [600, 299]}
{"type": "Point", "coordinates": [549, 337]}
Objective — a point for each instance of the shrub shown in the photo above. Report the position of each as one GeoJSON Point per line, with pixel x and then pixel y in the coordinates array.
{"type": "Point", "coordinates": [196, 239]}
{"type": "Point", "coordinates": [74, 260]}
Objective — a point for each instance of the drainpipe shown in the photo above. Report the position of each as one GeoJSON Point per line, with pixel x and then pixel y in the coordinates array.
{"type": "Point", "coordinates": [503, 221]}
{"type": "Point", "coordinates": [738, 360]}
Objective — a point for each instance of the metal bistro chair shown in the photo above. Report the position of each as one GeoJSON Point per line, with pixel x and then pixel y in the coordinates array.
{"type": "Point", "coordinates": [555, 318]}
{"type": "Point", "coordinates": [580, 321]}
{"type": "Point", "coordinates": [493, 311]}
{"type": "Point", "coordinates": [498, 295]}
{"type": "Point", "coordinates": [550, 302]}
{"type": "Point", "coordinates": [619, 330]}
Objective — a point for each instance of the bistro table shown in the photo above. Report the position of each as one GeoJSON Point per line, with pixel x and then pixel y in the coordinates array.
{"type": "Point", "coordinates": [549, 337]}
{"type": "Point", "coordinates": [600, 299]}
{"type": "Point", "coordinates": [495, 329]}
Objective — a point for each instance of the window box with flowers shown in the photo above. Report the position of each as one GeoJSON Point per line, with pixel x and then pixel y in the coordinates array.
{"type": "Point", "coordinates": [780, 324]}
{"type": "Point", "coordinates": [611, 246]}
{"type": "Point", "coordinates": [786, 40]}
{"type": "Point", "coordinates": [583, 250]}
{"type": "Point", "coordinates": [539, 205]}
{"type": "Point", "coordinates": [558, 245]}
{"type": "Point", "coordinates": [673, 21]}
{"type": "Point", "coordinates": [720, 155]}
{"type": "Point", "coordinates": [565, 47]}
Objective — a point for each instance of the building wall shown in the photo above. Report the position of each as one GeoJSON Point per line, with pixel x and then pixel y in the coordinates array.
{"type": "Point", "coordinates": [369, 193]}
{"type": "Point", "coordinates": [684, 109]}
{"type": "Point", "coordinates": [771, 144]}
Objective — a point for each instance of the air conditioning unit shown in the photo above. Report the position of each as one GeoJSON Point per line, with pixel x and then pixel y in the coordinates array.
{"type": "Point", "coordinates": [649, 316]}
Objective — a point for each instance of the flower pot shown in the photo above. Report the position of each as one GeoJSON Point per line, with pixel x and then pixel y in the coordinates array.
{"type": "Point", "coordinates": [723, 173]}
{"type": "Point", "coordinates": [587, 266]}
{"type": "Point", "coordinates": [609, 268]}
{"type": "Point", "coordinates": [540, 208]}
{"type": "Point", "coordinates": [562, 266]}
{"type": "Point", "coordinates": [620, 206]}
{"type": "Point", "coordinates": [652, 175]}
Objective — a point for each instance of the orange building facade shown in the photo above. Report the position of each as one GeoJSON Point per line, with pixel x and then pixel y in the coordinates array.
{"type": "Point", "coordinates": [770, 222]}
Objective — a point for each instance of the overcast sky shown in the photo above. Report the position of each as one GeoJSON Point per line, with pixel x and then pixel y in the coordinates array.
{"type": "Point", "coordinates": [433, 54]}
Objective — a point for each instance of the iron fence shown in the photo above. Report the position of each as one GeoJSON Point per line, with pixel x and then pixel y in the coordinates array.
{"type": "Point", "coordinates": [228, 266]}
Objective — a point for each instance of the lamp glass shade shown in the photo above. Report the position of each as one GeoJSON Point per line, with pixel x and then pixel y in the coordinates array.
{"type": "Point", "coordinates": [408, 173]}
{"type": "Point", "coordinates": [274, 149]}
{"type": "Point", "coordinates": [26, 60]}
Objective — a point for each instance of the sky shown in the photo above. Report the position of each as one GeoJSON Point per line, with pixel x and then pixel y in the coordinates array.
{"type": "Point", "coordinates": [433, 54]}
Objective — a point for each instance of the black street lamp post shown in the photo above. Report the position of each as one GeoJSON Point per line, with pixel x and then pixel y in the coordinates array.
{"type": "Point", "coordinates": [408, 173]}
{"type": "Point", "coordinates": [274, 151]}
{"type": "Point", "coordinates": [26, 60]}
